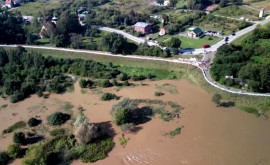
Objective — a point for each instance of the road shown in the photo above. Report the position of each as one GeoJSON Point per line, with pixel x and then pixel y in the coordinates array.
{"type": "Point", "coordinates": [207, 77]}
{"type": "Point", "coordinates": [231, 38]}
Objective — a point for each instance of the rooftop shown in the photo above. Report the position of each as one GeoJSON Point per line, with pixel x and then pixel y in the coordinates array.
{"type": "Point", "coordinates": [141, 24]}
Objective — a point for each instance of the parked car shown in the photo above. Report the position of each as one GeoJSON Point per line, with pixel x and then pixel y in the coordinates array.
{"type": "Point", "coordinates": [206, 46]}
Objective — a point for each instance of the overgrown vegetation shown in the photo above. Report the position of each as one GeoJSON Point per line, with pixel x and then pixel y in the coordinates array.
{"type": "Point", "coordinates": [250, 110]}
{"type": "Point", "coordinates": [4, 158]}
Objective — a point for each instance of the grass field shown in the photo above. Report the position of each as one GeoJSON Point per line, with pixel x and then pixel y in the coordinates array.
{"type": "Point", "coordinates": [261, 4]}
{"type": "Point", "coordinates": [33, 8]}
{"type": "Point", "coordinates": [181, 3]}
{"type": "Point", "coordinates": [190, 42]}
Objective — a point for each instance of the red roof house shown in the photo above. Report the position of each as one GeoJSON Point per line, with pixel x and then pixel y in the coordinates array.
{"type": "Point", "coordinates": [142, 27]}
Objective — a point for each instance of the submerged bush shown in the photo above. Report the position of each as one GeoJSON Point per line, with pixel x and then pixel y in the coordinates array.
{"type": "Point", "coordinates": [4, 158]}
{"type": "Point", "coordinates": [58, 118]}
{"type": "Point", "coordinates": [19, 137]}
{"type": "Point", "coordinates": [32, 122]}
{"type": "Point", "coordinates": [19, 124]}
{"type": "Point", "coordinates": [108, 96]}
{"type": "Point", "coordinates": [14, 150]}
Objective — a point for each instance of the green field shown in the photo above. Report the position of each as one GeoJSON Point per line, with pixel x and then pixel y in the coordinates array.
{"type": "Point", "coordinates": [181, 3]}
{"type": "Point", "coordinates": [190, 42]}
{"type": "Point", "coordinates": [237, 12]}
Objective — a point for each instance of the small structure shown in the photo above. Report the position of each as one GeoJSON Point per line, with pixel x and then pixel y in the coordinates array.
{"type": "Point", "coordinates": [142, 27]}
{"type": "Point", "coordinates": [261, 13]}
{"type": "Point", "coordinates": [54, 19]}
{"type": "Point", "coordinates": [163, 30]}
{"type": "Point", "coordinates": [194, 32]}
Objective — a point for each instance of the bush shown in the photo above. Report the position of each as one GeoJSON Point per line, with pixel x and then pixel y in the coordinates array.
{"type": "Point", "coordinates": [105, 83]}
{"type": "Point", "coordinates": [58, 118]}
{"type": "Point", "coordinates": [32, 122]}
{"type": "Point", "coordinates": [126, 83]}
{"type": "Point", "coordinates": [159, 93]}
{"type": "Point", "coordinates": [14, 150]}
{"type": "Point", "coordinates": [4, 158]}
{"type": "Point", "coordinates": [122, 116]}
{"type": "Point", "coordinates": [86, 133]}
{"type": "Point", "coordinates": [19, 124]}
{"type": "Point", "coordinates": [127, 127]}
{"type": "Point", "coordinates": [85, 83]}
{"type": "Point", "coordinates": [17, 96]}
{"type": "Point", "coordinates": [123, 77]}
{"type": "Point", "coordinates": [114, 82]}
{"type": "Point", "coordinates": [19, 137]}
{"type": "Point", "coordinates": [58, 131]}
{"type": "Point", "coordinates": [96, 151]}
{"type": "Point", "coordinates": [138, 77]}
{"type": "Point", "coordinates": [108, 96]}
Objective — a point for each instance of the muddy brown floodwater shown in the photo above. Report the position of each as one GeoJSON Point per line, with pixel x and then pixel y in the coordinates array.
{"type": "Point", "coordinates": [210, 135]}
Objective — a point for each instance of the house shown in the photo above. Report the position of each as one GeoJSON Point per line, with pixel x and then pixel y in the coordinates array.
{"type": "Point", "coordinates": [143, 27]}
{"type": "Point", "coordinates": [12, 3]}
{"type": "Point", "coordinates": [261, 13]}
{"type": "Point", "coordinates": [163, 30]}
{"type": "Point", "coordinates": [194, 32]}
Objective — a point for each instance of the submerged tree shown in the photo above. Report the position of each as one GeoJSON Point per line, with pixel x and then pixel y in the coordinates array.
{"type": "Point", "coordinates": [216, 99]}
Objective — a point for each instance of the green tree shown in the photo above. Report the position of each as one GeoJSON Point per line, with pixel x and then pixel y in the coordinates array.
{"type": "Point", "coordinates": [161, 2]}
{"type": "Point", "coordinates": [173, 2]}
{"type": "Point", "coordinates": [216, 99]}
{"type": "Point", "coordinates": [114, 43]}
{"type": "Point", "coordinates": [174, 42]}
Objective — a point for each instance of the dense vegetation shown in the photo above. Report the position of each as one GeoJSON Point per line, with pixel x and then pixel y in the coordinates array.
{"type": "Point", "coordinates": [248, 62]}
{"type": "Point", "coordinates": [11, 33]}
{"type": "Point", "coordinates": [23, 73]}
{"type": "Point", "coordinates": [201, 4]}
{"type": "Point", "coordinates": [15, 126]}
{"type": "Point", "coordinates": [58, 118]}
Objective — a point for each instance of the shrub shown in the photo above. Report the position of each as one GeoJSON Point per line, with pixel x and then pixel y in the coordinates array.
{"type": "Point", "coordinates": [85, 83]}
{"type": "Point", "coordinates": [32, 122]}
{"type": "Point", "coordinates": [175, 132]}
{"type": "Point", "coordinates": [159, 93]}
{"type": "Point", "coordinates": [216, 99]}
{"type": "Point", "coordinates": [49, 151]}
{"type": "Point", "coordinates": [19, 124]}
{"type": "Point", "coordinates": [58, 118]}
{"type": "Point", "coordinates": [4, 158]}
{"type": "Point", "coordinates": [19, 137]}
{"type": "Point", "coordinates": [122, 116]}
{"type": "Point", "coordinates": [126, 83]}
{"type": "Point", "coordinates": [96, 151]}
{"type": "Point", "coordinates": [105, 83]}
{"type": "Point", "coordinates": [81, 119]}
{"type": "Point", "coordinates": [138, 77]}
{"type": "Point", "coordinates": [58, 131]}
{"type": "Point", "coordinates": [17, 96]}
{"type": "Point", "coordinates": [123, 77]}
{"type": "Point", "coordinates": [108, 96]}
{"type": "Point", "coordinates": [86, 133]}
{"type": "Point", "coordinates": [114, 82]}
{"type": "Point", "coordinates": [14, 150]}
{"type": "Point", "coordinates": [127, 127]}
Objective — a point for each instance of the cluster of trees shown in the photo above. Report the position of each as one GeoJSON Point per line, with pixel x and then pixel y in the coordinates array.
{"type": "Point", "coordinates": [248, 61]}
{"type": "Point", "coordinates": [11, 31]}
{"type": "Point", "coordinates": [23, 73]}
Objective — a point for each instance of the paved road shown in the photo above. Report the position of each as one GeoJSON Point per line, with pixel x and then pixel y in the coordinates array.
{"type": "Point", "coordinates": [197, 64]}
{"type": "Point", "coordinates": [231, 38]}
